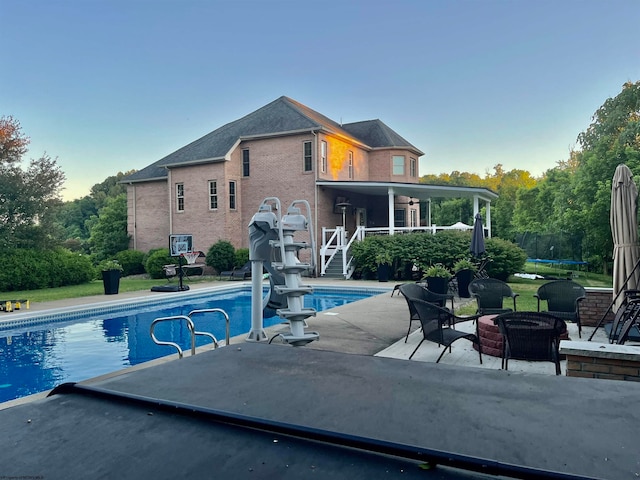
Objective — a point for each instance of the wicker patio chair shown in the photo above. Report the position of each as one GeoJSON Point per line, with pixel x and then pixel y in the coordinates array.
{"type": "Point", "coordinates": [415, 291]}
{"type": "Point", "coordinates": [435, 323]}
{"type": "Point", "coordinates": [530, 336]}
{"type": "Point", "coordinates": [490, 294]}
{"type": "Point", "coordinates": [563, 300]}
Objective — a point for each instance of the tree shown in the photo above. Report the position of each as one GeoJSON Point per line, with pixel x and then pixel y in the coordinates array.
{"type": "Point", "coordinates": [28, 198]}
{"type": "Point", "coordinates": [109, 229]}
{"type": "Point", "coordinates": [13, 144]}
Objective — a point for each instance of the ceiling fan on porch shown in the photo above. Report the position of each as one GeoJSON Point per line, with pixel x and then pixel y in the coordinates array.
{"type": "Point", "coordinates": [410, 202]}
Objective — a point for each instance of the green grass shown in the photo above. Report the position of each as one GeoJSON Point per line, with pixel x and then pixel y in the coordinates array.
{"type": "Point", "coordinates": [127, 284]}
{"type": "Point", "coordinates": [526, 288]}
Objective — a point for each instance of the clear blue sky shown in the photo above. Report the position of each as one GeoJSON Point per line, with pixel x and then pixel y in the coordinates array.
{"type": "Point", "coordinates": [114, 85]}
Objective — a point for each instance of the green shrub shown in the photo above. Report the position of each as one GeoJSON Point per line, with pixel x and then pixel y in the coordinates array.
{"type": "Point", "coordinates": [506, 258]}
{"type": "Point", "coordinates": [132, 262]}
{"type": "Point", "coordinates": [424, 249]}
{"type": "Point", "coordinates": [158, 259]}
{"type": "Point", "coordinates": [29, 269]}
{"type": "Point", "coordinates": [221, 256]}
{"type": "Point", "coordinates": [242, 257]}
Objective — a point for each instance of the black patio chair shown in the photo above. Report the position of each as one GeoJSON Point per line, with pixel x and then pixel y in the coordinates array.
{"type": "Point", "coordinates": [242, 273]}
{"type": "Point", "coordinates": [490, 294]}
{"type": "Point", "coordinates": [563, 299]}
{"type": "Point", "coordinates": [530, 336]}
{"type": "Point", "coordinates": [625, 319]}
{"type": "Point", "coordinates": [435, 322]}
{"type": "Point", "coordinates": [415, 291]}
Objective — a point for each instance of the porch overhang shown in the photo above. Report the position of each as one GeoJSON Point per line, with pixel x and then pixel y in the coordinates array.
{"type": "Point", "coordinates": [421, 191]}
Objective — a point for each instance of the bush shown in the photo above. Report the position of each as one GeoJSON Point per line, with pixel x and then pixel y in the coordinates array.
{"type": "Point", "coordinates": [221, 256]}
{"type": "Point", "coordinates": [132, 262]}
{"type": "Point", "coordinates": [30, 269]}
{"type": "Point", "coordinates": [242, 257]}
{"type": "Point", "coordinates": [506, 258]}
{"type": "Point", "coordinates": [157, 259]}
{"type": "Point", "coordinates": [424, 249]}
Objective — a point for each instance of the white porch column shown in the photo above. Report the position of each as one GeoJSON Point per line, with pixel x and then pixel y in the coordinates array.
{"type": "Point", "coordinates": [391, 211]}
{"type": "Point", "coordinates": [488, 220]}
{"type": "Point", "coordinates": [428, 212]}
{"type": "Point", "coordinates": [476, 206]}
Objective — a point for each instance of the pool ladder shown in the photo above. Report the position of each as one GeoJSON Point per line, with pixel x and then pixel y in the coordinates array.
{"type": "Point", "coordinates": [192, 329]}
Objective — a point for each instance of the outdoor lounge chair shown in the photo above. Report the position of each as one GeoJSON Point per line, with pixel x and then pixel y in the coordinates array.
{"type": "Point", "coordinates": [624, 326]}
{"type": "Point", "coordinates": [242, 273]}
{"type": "Point", "coordinates": [563, 300]}
{"type": "Point", "coordinates": [170, 271]}
{"type": "Point", "coordinates": [413, 291]}
{"type": "Point", "coordinates": [530, 336]}
{"type": "Point", "coordinates": [435, 322]}
{"type": "Point", "coordinates": [490, 294]}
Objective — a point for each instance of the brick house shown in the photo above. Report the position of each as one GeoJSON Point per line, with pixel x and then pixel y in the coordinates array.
{"type": "Point", "coordinates": [213, 186]}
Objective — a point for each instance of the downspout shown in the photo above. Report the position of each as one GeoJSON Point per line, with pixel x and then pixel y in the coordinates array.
{"type": "Point", "coordinates": [169, 191]}
{"type": "Point", "coordinates": [317, 261]}
{"type": "Point", "coordinates": [134, 217]}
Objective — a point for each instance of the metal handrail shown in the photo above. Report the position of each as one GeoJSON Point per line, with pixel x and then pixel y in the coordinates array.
{"type": "Point", "coordinates": [190, 326]}
{"type": "Point", "coordinates": [227, 326]}
{"type": "Point", "coordinates": [192, 329]}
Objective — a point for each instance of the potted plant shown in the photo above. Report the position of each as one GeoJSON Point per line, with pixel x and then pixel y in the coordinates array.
{"type": "Point", "coordinates": [437, 277]}
{"type": "Point", "coordinates": [383, 260]}
{"type": "Point", "coordinates": [111, 271]}
{"type": "Point", "coordinates": [464, 271]}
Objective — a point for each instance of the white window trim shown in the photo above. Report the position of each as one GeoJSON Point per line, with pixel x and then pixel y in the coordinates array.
{"type": "Point", "coordinates": [212, 195]}
{"type": "Point", "coordinates": [393, 165]}
{"type": "Point", "coordinates": [179, 196]}
{"type": "Point", "coordinates": [304, 156]}
{"type": "Point", "coordinates": [234, 194]}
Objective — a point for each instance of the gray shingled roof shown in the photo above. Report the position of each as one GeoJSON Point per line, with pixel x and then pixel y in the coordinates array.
{"type": "Point", "coordinates": [278, 117]}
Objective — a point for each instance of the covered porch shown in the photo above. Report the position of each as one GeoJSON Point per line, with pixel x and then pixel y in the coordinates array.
{"type": "Point", "coordinates": [383, 208]}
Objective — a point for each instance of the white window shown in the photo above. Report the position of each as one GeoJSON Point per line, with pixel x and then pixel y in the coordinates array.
{"type": "Point", "coordinates": [308, 159]}
{"type": "Point", "coordinates": [350, 165]}
{"type": "Point", "coordinates": [213, 194]}
{"type": "Point", "coordinates": [413, 167]}
{"type": "Point", "coordinates": [232, 195]}
{"type": "Point", "coordinates": [398, 164]}
{"type": "Point", "coordinates": [323, 154]}
{"type": "Point", "coordinates": [180, 197]}
{"type": "Point", "coordinates": [245, 162]}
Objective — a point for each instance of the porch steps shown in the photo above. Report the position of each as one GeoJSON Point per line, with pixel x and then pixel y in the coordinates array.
{"type": "Point", "coordinates": [334, 269]}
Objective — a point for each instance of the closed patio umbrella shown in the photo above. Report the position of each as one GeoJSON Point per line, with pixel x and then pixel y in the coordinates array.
{"type": "Point", "coordinates": [477, 237]}
{"type": "Point", "coordinates": [624, 231]}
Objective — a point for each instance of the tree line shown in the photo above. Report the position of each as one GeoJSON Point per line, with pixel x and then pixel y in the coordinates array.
{"type": "Point", "coordinates": [571, 199]}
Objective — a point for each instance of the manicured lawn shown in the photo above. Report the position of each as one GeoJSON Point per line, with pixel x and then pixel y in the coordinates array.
{"type": "Point", "coordinates": [127, 284]}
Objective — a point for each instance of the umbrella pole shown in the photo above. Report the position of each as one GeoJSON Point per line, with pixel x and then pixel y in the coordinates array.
{"type": "Point", "coordinates": [601, 321]}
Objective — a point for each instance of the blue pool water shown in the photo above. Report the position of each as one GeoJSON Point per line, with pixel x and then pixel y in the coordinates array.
{"type": "Point", "coordinates": [37, 357]}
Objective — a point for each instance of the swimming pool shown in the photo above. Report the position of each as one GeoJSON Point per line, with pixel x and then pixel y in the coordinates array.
{"type": "Point", "coordinates": [40, 351]}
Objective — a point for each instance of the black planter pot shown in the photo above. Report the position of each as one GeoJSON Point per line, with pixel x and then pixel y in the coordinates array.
{"type": "Point", "coordinates": [438, 284]}
{"type": "Point", "coordinates": [111, 281]}
{"type": "Point", "coordinates": [383, 273]}
{"type": "Point", "coordinates": [464, 279]}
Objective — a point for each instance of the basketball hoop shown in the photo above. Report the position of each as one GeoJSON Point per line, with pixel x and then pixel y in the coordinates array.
{"type": "Point", "coordinates": [191, 257]}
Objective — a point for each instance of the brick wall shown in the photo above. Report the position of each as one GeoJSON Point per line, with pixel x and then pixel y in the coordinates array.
{"type": "Point", "coordinates": [593, 307]}
{"type": "Point", "coordinates": [603, 361]}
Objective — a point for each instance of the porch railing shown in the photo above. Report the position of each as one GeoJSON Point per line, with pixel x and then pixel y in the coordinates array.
{"type": "Point", "coordinates": [337, 239]}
